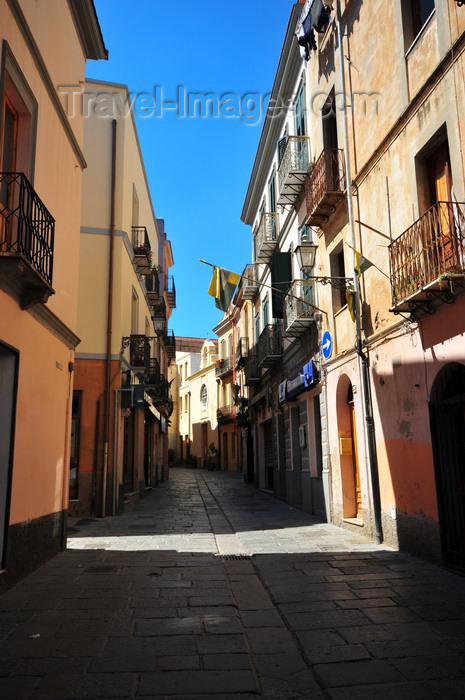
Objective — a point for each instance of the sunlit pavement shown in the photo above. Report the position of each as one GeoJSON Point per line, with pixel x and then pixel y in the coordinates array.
{"type": "Point", "coordinates": [209, 588]}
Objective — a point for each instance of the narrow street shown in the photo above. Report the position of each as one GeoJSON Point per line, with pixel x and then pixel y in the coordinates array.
{"type": "Point", "coordinates": [209, 588]}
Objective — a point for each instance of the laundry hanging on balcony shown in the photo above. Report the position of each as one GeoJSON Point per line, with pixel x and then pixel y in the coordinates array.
{"type": "Point", "coordinates": [315, 17]}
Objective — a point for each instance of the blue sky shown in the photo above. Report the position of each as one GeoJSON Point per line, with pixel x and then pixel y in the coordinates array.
{"type": "Point", "coordinates": [198, 166]}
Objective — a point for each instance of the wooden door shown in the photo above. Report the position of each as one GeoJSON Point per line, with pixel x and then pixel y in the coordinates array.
{"type": "Point", "coordinates": [358, 490]}
{"type": "Point", "coordinates": [444, 239]}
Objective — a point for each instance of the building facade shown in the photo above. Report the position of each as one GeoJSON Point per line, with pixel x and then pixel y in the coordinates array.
{"type": "Point", "coordinates": [377, 190]}
{"type": "Point", "coordinates": [121, 400]}
{"type": "Point", "coordinates": [194, 425]}
{"type": "Point", "coordinates": [41, 165]}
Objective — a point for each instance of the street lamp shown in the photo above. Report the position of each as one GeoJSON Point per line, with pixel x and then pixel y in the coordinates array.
{"type": "Point", "coordinates": [306, 252]}
{"type": "Point", "coordinates": [159, 322]}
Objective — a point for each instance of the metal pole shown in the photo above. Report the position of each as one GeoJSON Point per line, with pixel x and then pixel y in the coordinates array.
{"type": "Point", "coordinates": [369, 425]}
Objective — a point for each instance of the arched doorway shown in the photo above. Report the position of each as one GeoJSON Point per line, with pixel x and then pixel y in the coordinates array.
{"type": "Point", "coordinates": [447, 420]}
{"type": "Point", "coordinates": [348, 451]}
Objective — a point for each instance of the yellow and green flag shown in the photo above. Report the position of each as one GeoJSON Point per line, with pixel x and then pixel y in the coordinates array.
{"type": "Point", "coordinates": [361, 263]}
{"type": "Point", "coordinates": [222, 286]}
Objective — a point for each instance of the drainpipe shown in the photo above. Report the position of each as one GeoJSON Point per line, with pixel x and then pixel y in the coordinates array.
{"type": "Point", "coordinates": [369, 424]}
{"type": "Point", "coordinates": [115, 449]}
{"type": "Point", "coordinates": [107, 420]}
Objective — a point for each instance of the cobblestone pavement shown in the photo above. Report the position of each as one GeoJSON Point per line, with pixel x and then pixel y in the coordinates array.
{"type": "Point", "coordinates": [210, 589]}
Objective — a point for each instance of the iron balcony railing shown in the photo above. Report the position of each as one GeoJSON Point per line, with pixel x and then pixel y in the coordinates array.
{"type": "Point", "coordinates": [139, 352]}
{"type": "Point", "coordinates": [325, 185]}
{"type": "Point", "coordinates": [431, 248]}
{"type": "Point", "coordinates": [266, 236]}
{"type": "Point", "coordinates": [224, 413]}
{"type": "Point", "coordinates": [160, 391]}
{"type": "Point", "coordinates": [269, 345]}
{"type": "Point", "coordinates": [170, 291]}
{"type": "Point", "coordinates": [299, 311]}
{"type": "Point", "coordinates": [251, 370]}
{"type": "Point", "coordinates": [142, 251]}
{"type": "Point", "coordinates": [170, 344]}
{"type": "Point", "coordinates": [223, 366]}
{"type": "Point", "coordinates": [292, 169]}
{"type": "Point", "coordinates": [140, 239]}
{"type": "Point", "coordinates": [153, 373]}
{"type": "Point", "coordinates": [250, 281]}
{"type": "Point", "coordinates": [242, 351]}
{"type": "Point", "coordinates": [152, 286]}
{"type": "Point", "coordinates": [26, 226]}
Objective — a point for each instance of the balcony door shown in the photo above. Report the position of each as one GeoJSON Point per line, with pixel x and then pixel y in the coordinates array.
{"type": "Point", "coordinates": [440, 187]}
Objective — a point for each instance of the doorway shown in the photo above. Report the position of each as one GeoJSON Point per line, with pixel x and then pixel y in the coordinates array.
{"type": "Point", "coordinates": [348, 451]}
{"type": "Point", "coordinates": [8, 383]}
{"type": "Point", "coordinates": [447, 421]}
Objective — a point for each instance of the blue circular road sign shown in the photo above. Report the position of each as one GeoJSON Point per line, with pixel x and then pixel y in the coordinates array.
{"type": "Point", "coordinates": [326, 345]}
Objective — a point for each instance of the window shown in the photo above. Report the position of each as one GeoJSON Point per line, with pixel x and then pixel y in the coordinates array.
{"type": "Point", "coordinates": [328, 114]}
{"type": "Point", "coordinates": [338, 270]}
{"type": "Point", "coordinates": [281, 147]}
{"type": "Point", "coordinates": [265, 311]}
{"type": "Point", "coordinates": [134, 313]}
{"type": "Point", "coordinates": [272, 193]}
{"type": "Point", "coordinates": [19, 116]}
{"type": "Point", "coordinates": [257, 326]}
{"type": "Point", "coordinates": [299, 113]}
{"type": "Point", "coordinates": [415, 14]}
{"type": "Point", "coordinates": [203, 396]}
{"type": "Point", "coordinates": [135, 207]}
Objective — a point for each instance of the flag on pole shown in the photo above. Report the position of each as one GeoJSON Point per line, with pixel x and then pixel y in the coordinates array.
{"type": "Point", "coordinates": [350, 298]}
{"type": "Point", "coordinates": [361, 263]}
{"type": "Point", "coordinates": [222, 286]}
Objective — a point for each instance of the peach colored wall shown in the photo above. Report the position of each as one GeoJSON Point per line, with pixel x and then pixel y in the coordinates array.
{"type": "Point", "coordinates": [41, 450]}
{"type": "Point", "coordinates": [41, 447]}
{"type": "Point", "coordinates": [57, 177]}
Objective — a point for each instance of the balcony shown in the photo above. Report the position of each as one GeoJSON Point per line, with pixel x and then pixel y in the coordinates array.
{"type": "Point", "coordinates": [152, 287]}
{"type": "Point", "coordinates": [170, 345]}
{"type": "Point", "coordinates": [26, 242]}
{"type": "Point", "coordinates": [251, 372]}
{"type": "Point", "coordinates": [142, 251]}
{"type": "Point", "coordinates": [293, 169]}
{"type": "Point", "coordinates": [224, 414]}
{"type": "Point", "coordinates": [242, 351]}
{"type": "Point", "coordinates": [269, 346]}
{"type": "Point", "coordinates": [250, 282]}
{"type": "Point", "coordinates": [170, 292]}
{"type": "Point", "coordinates": [139, 353]}
{"type": "Point", "coordinates": [266, 237]}
{"type": "Point", "coordinates": [298, 314]}
{"type": "Point", "coordinates": [325, 186]}
{"type": "Point", "coordinates": [153, 373]}
{"type": "Point", "coordinates": [223, 366]}
{"type": "Point", "coordinates": [428, 260]}
{"type": "Point", "coordinates": [159, 391]}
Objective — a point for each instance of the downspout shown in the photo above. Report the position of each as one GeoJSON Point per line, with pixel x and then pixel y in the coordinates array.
{"type": "Point", "coordinates": [107, 420]}
{"type": "Point", "coordinates": [115, 449]}
{"type": "Point", "coordinates": [369, 425]}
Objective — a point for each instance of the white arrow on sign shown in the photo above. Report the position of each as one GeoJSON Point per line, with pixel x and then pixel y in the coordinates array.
{"type": "Point", "coordinates": [327, 344]}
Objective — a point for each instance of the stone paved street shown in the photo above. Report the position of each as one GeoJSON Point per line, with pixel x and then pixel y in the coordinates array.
{"type": "Point", "coordinates": [209, 588]}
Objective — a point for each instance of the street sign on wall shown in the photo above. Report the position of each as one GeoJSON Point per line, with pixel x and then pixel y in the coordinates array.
{"type": "Point", "coordinates": [326, 345]}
